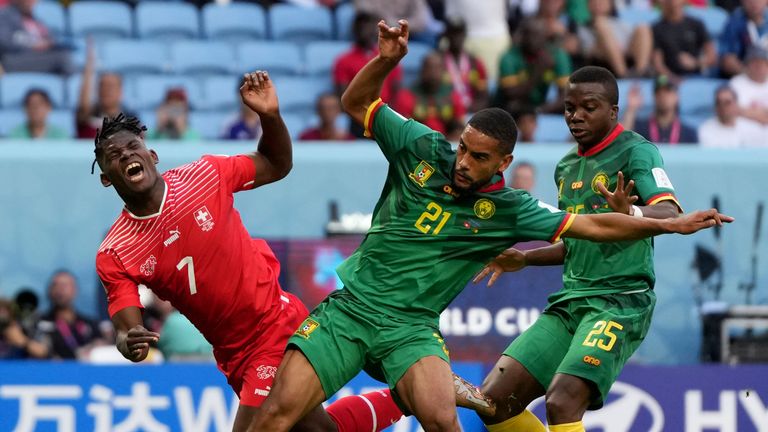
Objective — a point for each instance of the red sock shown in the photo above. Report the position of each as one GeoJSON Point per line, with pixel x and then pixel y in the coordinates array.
{"type": "Point", "coordinates": [373, 411]}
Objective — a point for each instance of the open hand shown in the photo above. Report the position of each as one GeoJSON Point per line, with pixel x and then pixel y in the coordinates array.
{"type": "Point", "coordinates": [510, 260]}
{"type": "Point", "coordinates": [620, 199]}
{"type": "Point", "coordinates": [699, 220]}
{"type": "Point", "coordinates": [259, 94]}
{"type": "Point", "coordinates": [393, 41]}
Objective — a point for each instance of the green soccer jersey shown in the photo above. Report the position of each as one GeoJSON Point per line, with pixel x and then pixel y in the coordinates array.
{"type": "Point", "coordinates": [515, 69]}
{"type": "Point", "coordinates": [605, 268]}
{"type": "Point", "coordinates": [426, 241]}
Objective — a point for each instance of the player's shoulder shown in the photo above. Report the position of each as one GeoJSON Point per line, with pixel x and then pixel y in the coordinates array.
{"type": "Point", "coordinates": [118, 235]}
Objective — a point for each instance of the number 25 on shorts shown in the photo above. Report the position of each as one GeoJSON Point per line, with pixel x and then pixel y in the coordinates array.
{"type": "Point", "coordinates": [602, 328]}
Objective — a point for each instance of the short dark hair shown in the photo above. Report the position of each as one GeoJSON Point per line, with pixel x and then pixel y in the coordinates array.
{"type": "Point", "coordinates": [498, 124]}
{"type": "Point", "coordinates": [37, 91]}
{"type": "Point", "coordinates": [726, 88]}
{"type": "Point", "coordinates": [111, 126]}
{"type": "Point", "coordinates": [599, 75]}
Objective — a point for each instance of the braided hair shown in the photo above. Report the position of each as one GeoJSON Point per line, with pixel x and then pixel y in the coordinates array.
{"type": "Point", "coordinates": [111, 126]}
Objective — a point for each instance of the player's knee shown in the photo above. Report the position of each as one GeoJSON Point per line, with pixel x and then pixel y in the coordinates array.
{"type": "Point", "coordinates": [440, 421]}
{"type": "Point", "coordinates": [563, 407]}
{"type": "Point", "coordinates": [275, 414]}
{"type": "Point", "coordinates": [506, 406]}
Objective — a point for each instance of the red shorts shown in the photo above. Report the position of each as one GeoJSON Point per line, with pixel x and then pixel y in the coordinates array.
{"type": "Point", "coordinates": [252, 379]}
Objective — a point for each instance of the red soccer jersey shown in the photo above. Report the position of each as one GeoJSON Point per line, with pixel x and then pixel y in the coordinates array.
{"type": "Point", "coordinates": [196, 253]}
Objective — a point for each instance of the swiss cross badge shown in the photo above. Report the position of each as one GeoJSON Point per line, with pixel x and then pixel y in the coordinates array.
{"type": "Point", "coordinates": [204, 218]}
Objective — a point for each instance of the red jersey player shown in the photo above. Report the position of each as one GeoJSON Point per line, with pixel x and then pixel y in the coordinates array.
{"type": "Point", "coordinates": [180, 235]}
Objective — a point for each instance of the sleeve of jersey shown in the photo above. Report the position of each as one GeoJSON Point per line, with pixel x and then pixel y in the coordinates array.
{"type": "Point", "coordinates": [391, 130]}
{"type": "Point", "coordinates": [537, 220]}
{"type": "Point", "coordinates": [122, 291]}
{"type": "Point", "coordinates": [237, 173]}
{"type": "Point", "coordinates": [651, 181]}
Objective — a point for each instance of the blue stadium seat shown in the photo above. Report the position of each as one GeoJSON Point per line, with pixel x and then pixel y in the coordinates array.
{"type": "Point", "coordinates": [52, 14]}
{"type": "Point", "coordinates": [235, 21]}
{"type": "Point", "coordinates": [298, 95]}
{"type": "Point", "coordinates": [13, 87]}
{"type": "Point", "coordinates": [296, 123]}
{"type": "Point", "coordinates": [148, 91]}
{"type": "Point", "coordinates": [65, 119]}
{"type": "Point", "coordinates": [344, 15]}
{"type": "Point", "coordinates": [646, 90]}
{"type": "Point", "coordinates": [412, 62]}
{"type": "Point", "coordinates": [551, 128]}
{"type": "Point", "coordinates": [11, 118]}
{"type": "Point", "coordinates": [635, 16]}
{"type": "Point", "coordinates": [219, 93]}
{"type": "Point", "coordinates": [148, 118]}
{"type": "Point", "coordinates": [134, 56]}
{"type": "Point", "coordinates": [320, 56]}
{"type": "Point", "coordinates": [277, 58]}
{"type": "Point", "coordinates": [697, 95]}
{"type": "Point", "coordinates": [713, 17]}
{"type": "Point", "coordinates": [210, 124]}
{"type": "Point", "coordinates": [202, 57]}
{"type": "Point", "coordinates": [101, 19]}
{"type": "Point", "coordinates": [167, 20]}
{"type": "Point", "coordinates": [300, 24]}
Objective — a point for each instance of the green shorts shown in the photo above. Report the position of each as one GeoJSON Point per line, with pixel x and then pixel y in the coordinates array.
{"type": "Point", "coordinates": [590, 337]}
{"type": "Point", "coordinates": [343, 336]}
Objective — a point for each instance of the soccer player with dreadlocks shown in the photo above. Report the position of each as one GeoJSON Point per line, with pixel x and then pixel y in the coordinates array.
{"type": "Point", "coordinates": [180, 235]}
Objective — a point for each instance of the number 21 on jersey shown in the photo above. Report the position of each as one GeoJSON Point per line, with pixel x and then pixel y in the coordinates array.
{"type": "Point", "coordinates": [432, 214]}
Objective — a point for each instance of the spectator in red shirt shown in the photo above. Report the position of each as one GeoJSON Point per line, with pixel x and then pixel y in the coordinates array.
{"type": "Point", "coordinates": [465, 72]}
{"type": "Point", "coordinates": [328, 109]}
{"type": "Point", "coordinates": [364, 48]}
{"type": "Point", "coordinates": [431, 101]}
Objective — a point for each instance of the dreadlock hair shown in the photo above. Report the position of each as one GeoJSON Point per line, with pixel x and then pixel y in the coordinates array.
{"type": "Point", "coordinates": [111, 126]}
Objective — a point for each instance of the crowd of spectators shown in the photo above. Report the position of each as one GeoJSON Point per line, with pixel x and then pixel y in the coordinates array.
{"type": "Point", "coordinates": [515, 54]}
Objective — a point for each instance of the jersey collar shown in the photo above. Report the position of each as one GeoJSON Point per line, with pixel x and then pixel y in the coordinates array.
{"type": "Point", "coordinates": [496, 183]}
{"type": "Point", "coordinates": [159, 211]}
{"type": "Point", "coordinates": [604, 143]}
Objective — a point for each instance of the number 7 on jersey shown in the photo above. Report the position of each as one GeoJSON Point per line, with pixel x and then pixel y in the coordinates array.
{"type": "Point", "coordinates": [187, 261]}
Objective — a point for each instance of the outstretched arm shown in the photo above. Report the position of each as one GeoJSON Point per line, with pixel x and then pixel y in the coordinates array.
{"type": "Point", "coordinates": [274, 155]}
{"type": "Point", "coordinates": [365, 87]}
{"type": "Point", "coordinates": [132, 338]}
{"type": "Point", "coordinates": [512, 260]}
{"type": "Point", "coordinates": [621, 200]}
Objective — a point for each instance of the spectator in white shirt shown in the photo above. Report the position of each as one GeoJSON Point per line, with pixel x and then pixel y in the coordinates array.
{"type": "Point", "coordinates": [751, 87]}
{"type": "Point", "coordinates": [727, 129]}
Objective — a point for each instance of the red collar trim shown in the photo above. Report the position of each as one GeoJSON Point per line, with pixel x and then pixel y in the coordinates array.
{"type": "Point", "coordinates": [605, 142]}
{"type": "Point", "coordinates": [494, 186]}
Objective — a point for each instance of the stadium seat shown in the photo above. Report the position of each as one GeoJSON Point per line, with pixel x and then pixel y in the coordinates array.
{"type": "Point", "coordinates": [219, 93]}
{"type": "Point", "coordinates": [298, 95]}
{"type": "Point", "coordinates": [52, 14]}
{"type": "Point", "coordinates": [412, 62]}
{"type": "Point", "coordinates": [697, 96]}
{"type": "Point", "coordinates": [101, 19]}
{"type": "Point", "coordinates": [646, 90]}
{"type": "Point", "coordinates": [713, 17]}
{"type": "Point", "coordinates": [300, 24]}
{"type": "Point", "coordinates": [278, 58]}
{"type": "Point", "coordinates": [210, 124]}
{"type": "Point", "coordinates": [134, 56]}
{"type": "Point", "coordinates": [14, 86]}
{"type": "Point", "coordinates": [234, 21]}
{"type": "Point", "coordinates": [202, 57]}
{"type": "Point", "coordinates": [65, 119]}
{"type": "Point", "coordinates": [344, 15]}
{"type": "Point", "coordinates": [167, 20]}
{"type": "Point", "coordinates": [320, 56]}
{"type": "Point", "coordinates": [295, 123]}
{"type": "Point", "coordinates": [148, 91]}
{"type": "Point", "coordinates": [635, 16]}
{"type": "Point", "coordinates": [551, 128]}
{"type": "Point", "coordinates": [11, 118]}
{"type": "Point", "coordinates": [148, 118]}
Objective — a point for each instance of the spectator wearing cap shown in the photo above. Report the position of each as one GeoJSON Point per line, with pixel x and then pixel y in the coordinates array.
{"type": "Point", "coordinates": [664, 125]}
{"type": "Point", "coordinates": [328, 108]}
{"type": "Point", "coordinates": [727, 129]}
{"type": "Point", "coordinates": [682, 45]}
{"type": "Point", "coordinates": [746, 27]}
{"type": "Point", "coordinates": [173, 118]}
{"type": "Point", "coordinates": [37, 106]}
{"type": "Point", "coordinates": [464, 71]}
{"type": "Point", "coordinates": [25, 43]}
{"type": "Point", "coordinates": [751, 86]}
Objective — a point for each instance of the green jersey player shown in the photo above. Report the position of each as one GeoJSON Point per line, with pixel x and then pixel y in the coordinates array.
{"type": "Point", "coordinates": [590, 328]}
{"type": "Point", "coordinates": [441, 215]}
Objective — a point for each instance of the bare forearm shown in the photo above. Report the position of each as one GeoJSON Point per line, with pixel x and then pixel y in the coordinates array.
{"type": "Point", "coordinates": [366, 86]}
{"type": "Point", "coordinates": [546, 256]}
{"type": "Point", "coordinates": [612, 227]}
{"type": "Point", "coordinates": [662, 210]}
{"type": "Point", "coordinates": [275, 144]}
